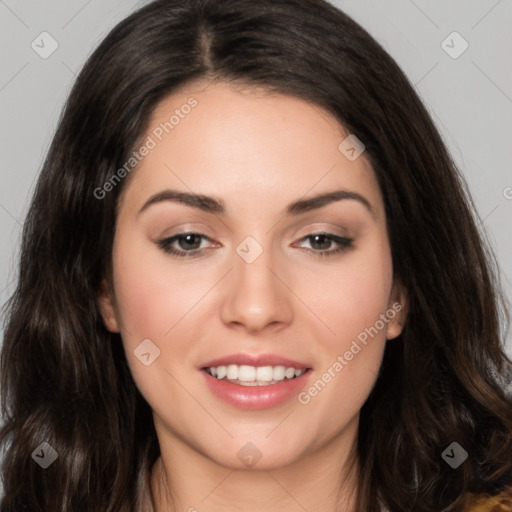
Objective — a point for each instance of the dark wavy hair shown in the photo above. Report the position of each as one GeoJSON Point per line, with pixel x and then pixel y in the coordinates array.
{"type": "Point", "coordinates": [65, 378]}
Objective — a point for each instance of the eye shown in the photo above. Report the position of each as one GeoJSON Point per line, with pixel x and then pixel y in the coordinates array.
{"type": "Point", "coordinates": [189, 244]}
{"type": "Point", "coordinates": [323, 241]}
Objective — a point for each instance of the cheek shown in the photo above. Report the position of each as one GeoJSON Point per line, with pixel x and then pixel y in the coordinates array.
{"type": "Point", "coordinates": [351, 296]}
{"type": "Point", "coordinates": [151, 301]}
{"type": "Point", "coordinates": [350, 300]}
{"type": "Point", "coordinates": [140, 303]}
{"type": "Point", "coordinates": [151, 296]}
{"type": "Point", "coordinates": [159, 302]}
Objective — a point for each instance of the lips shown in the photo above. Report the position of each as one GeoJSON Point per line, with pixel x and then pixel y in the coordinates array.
{"type": "Point", "coordinates": [256, 397]}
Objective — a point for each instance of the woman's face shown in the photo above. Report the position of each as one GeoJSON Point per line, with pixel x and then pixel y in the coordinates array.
{"type": "Point", "coordinates": [251, 284]}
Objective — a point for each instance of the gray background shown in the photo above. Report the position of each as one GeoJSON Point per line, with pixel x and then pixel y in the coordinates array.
{"type": "Point", "coordinates": [469, 97]}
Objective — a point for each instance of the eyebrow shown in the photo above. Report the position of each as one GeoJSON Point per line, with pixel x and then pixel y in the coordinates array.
{"type": "Point", "coordinates": [216, 206]}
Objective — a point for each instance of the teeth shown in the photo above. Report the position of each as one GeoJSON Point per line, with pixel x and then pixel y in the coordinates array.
{"type": "Point", "coordinates": [289, 373]}
{"type": "Point", "coordinates": [232, 371]}
{"type": "Point", "coordinates": [264, 373]}
{"type": "Point", "coordinates": [244, 373]}
{"type": "Point", "coordinates": [279, 372]}
{"type": "Point", "coordinates": [254, 375]}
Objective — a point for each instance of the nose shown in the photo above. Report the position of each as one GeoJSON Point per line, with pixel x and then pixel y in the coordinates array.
{"type": "Point", "coordinates": [257, 296]}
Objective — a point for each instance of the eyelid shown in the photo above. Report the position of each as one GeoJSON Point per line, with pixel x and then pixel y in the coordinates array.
{"type": "Point", "coordinates": [165, 243]}
{"type": "Point", "coordinates": [343, 242]}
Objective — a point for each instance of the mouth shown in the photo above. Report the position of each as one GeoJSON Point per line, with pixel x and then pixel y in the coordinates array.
{"type": "Point", "coordinates": [246, 375]}
{"type": "Point", "coordinates": [254, 382]}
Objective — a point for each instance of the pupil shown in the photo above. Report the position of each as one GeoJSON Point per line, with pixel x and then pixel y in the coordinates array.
{"type": "Point", "coordinates": [325, 244]}
{"type": "Point", "coordinates": [188, 241]}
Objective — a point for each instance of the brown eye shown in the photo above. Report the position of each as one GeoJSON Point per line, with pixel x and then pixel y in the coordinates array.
{"type": "Point", "coordinates": [189, 241]}
{"type": "Point", "coordinates": [183, 244]}
{"type": "Point", "coordinates": [321, 243]}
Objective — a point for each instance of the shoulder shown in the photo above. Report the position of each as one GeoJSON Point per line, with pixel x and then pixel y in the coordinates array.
{"type": "Point", "coordinates": [484, 503]}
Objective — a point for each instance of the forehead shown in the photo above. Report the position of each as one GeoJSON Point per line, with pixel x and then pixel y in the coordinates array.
{"type": "Point", "coordinates": [248, 143]}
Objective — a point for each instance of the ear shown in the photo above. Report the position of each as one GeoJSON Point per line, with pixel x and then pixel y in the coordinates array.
{"type": "Point", "coordinates": [107, 308]}
{"type": "Point", "coordinates": [397, 311]}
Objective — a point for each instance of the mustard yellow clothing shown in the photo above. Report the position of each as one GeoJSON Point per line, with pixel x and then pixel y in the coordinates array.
{"type": "Point", "coordinates": [500, 503]}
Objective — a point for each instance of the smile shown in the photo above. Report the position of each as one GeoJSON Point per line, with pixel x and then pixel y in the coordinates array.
{"type": "Point", "coordinates": [245, 375]}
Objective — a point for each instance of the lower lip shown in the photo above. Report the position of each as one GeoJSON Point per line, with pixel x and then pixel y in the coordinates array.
{"type": "Point", "coordinates": [256, 397]}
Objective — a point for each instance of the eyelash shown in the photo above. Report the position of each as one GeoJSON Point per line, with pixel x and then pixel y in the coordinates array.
{"type": "Point", "coordinates": [165, 245]}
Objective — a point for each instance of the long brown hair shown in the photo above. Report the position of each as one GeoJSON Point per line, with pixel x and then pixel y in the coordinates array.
{"type": "Point", "coordinates": [64, 377]}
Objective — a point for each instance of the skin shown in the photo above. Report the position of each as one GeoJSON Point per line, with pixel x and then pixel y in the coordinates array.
{"type": "Point", "coordinates": [257, 152]}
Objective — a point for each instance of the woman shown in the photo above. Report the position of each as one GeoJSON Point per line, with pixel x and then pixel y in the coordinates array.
{"type": "Point", "coordinates": [251, 279]}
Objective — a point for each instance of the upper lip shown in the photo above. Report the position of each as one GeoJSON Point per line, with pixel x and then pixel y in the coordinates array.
{"type": "Point", "coordinates": [255, 360]}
